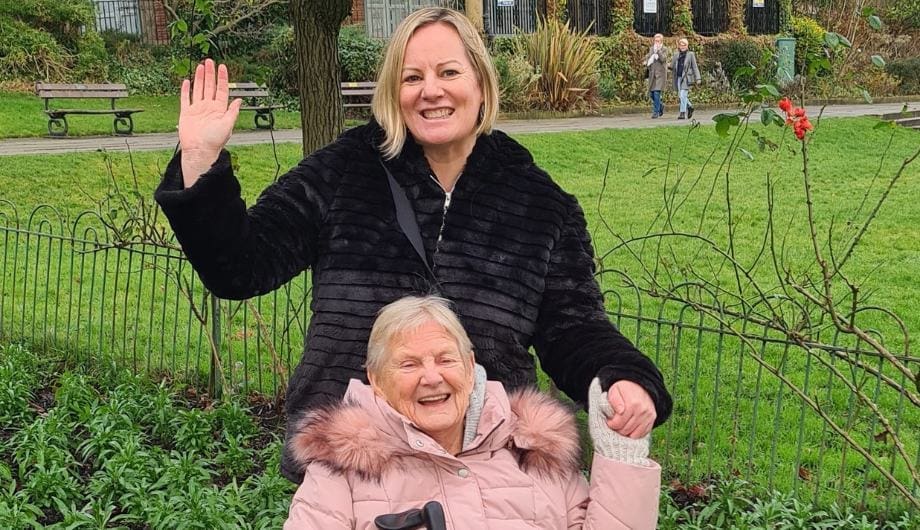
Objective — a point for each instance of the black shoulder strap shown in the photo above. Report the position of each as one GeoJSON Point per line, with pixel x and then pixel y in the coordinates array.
{"type": "Point", "coordinates": [405, 216]}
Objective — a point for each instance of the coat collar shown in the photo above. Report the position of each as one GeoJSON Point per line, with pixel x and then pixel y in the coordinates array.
{"type": "Point", "coordinates": [363, 435]}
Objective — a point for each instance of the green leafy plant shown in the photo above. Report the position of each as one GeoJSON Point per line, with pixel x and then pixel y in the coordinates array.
{"type": "Point", "coordinates": [234, 420]}
{"type": "Point", "coordinates": [566, 62]}
{"type": "Point", "coordinates": [809, 43]}
{"type": "Point", "coordinates": [359, 55]}
{"type": "Point", "coordinates": [194, 432]}
{"type": "Point", "coordinates": [907, 71]}
{"type": "Point", "coordinates": [235, 458]}
{"type": "Point", "coordinates": [516, 79]}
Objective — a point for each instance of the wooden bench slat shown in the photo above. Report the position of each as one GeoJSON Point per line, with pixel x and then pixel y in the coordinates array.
{"type": "Point", "coordinates": [261, 107]}
{"type": "Point", "coordinates": [86, 94]}
{"type": "Point", "coordinates": [80, 86]}
{"type": "Point", "coordinates": [54, 112]}
{"type": "Point", "coordinates": [359, 84]}
{"type": "Point", "coordinates": [245, 86]}
{"type": "Point", "coordinates": [250, 94]}
{"type": "Point", "coordinates": [357, 92]}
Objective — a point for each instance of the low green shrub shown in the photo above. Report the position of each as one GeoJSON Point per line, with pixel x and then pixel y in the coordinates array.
{"type": "Point", "coordinates": [738, 504]}
{"type": "Point", "coordinates": [516, 80]}
{"type": "Point", "coordinates": [359, 55]}
{"type": "Point", "coordinates": [620, 69]}
{"type": "Point", "coordinates": [29, 54]}
{"type": "Point", "coordinates": [904, 14]}
{"type": "Point", "coordinates": [809, 41]}
{"type": "Point", "coordinates": [736, 56]}
{"type": "Point", "coordinates": [144, 68]}
{"type": "Point", "coordinates": [907, 71]}
{"type": "Point", "coordinates": [113, 449]}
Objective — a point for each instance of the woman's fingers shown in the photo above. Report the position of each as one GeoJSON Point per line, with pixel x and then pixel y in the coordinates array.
{"type": "Point", "coordinates": [184, 94]}
{"type": "Point", "coordinates": [210, 83]}
{"type": "Point", "coordinates": [233, 111]}
{"type": "Point", "coordinates": [222, 90]}
{"type": "Point", "coordinates": [198, 85]}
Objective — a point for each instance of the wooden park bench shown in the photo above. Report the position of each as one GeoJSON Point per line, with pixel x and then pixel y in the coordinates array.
{"type": "Point", "coordinates": [57, 118]}
{"type": "Point", "coordinates": [357, 93]}
{"type": "Point", "coordinates": [256, 98]}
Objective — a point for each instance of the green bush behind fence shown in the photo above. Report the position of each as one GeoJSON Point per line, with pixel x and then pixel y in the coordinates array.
{"type": "Point", "coordinates": [65, 284]}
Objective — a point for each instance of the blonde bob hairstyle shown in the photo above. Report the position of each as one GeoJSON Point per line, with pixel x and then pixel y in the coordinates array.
{"type": "Point", "coordinates": [385, 104]}
{"type": "Point", "coordinates": [402, 317]}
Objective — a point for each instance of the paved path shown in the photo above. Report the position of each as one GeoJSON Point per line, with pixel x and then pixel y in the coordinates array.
{"type": "Point", "coordinates": [147, 142]}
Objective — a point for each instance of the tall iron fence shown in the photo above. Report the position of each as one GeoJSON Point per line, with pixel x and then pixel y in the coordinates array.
{"type": "Point", "coordinates": [710, 17]}
{"type": "Point", "coordinates": [651, 17]}
{"type": "Point", "coordinates": [761, 17]}
{"type": "Point", "coordinates": [503, 17]}
{"type": "Point", "coordinates": [585, 14]}
{"type": "Point", "coordinates": [742, 395]}
{"type": "Point", "coordinates": [141, 19]}
{"type": "Point", "coordinates": [382, 16]}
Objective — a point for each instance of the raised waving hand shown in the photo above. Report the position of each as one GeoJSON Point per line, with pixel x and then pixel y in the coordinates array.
{"type": "Point", "coordinates": [205, 119]}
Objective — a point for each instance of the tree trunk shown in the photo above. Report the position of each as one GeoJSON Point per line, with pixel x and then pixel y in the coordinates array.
{"type": "Point", "coordinates": [316, 30]}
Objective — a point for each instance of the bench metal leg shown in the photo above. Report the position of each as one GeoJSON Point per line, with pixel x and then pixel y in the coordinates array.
{"type": "Point", "coordinates": [124, 125]}
{"type": "Point", "coordinates": [265, 119]}
{"type": "Point", "coordinates": [57, 126]}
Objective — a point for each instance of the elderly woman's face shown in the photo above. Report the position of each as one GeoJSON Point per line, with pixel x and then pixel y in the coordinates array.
{"type": "Point", "coordinates": [440, 93]}
{"type": "Point", "coordinates": [426, 379]}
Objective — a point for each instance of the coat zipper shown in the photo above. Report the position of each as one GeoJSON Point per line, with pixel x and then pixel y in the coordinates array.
{"type": "Point", "coordinates": [447, 197]}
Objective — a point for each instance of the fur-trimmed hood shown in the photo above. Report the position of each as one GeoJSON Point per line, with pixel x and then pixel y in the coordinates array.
{"type": "Point", "coordinates": [364, 436]}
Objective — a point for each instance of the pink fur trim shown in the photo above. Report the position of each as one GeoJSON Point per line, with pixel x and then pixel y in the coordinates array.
{"type": "Point", "coordinates": [345, 439]}
{"type": "Point", "coordinates": [545, 433]}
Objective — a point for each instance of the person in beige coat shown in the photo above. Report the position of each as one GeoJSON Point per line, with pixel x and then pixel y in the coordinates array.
{"type": "Point", "coordinates": [429, 427]}
{"type": "Point", "coordinates": [656, 61]}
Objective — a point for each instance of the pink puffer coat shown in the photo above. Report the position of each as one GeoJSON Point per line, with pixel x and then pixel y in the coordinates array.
{"type": "Point", "coordinates": [520, 471]}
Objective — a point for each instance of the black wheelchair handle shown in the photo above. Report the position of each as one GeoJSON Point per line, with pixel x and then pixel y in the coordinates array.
{"type": "Point", "coordinates": [430, 516]}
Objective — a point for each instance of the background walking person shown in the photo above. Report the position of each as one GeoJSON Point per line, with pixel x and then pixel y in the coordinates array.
{"type": "Point", "coordinates": [656, 61]}
{"type": "Point", "coordinates": [686, 73]}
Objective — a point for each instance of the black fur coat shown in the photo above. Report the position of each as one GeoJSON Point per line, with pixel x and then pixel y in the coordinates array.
{"type": "Point", "coordinates": [512, 252]}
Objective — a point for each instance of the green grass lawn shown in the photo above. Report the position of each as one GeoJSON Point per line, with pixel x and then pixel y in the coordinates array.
{"type": "Point", "coordinates": [731, 415]}
{"type": "Point", "coordinates": [22, 116]}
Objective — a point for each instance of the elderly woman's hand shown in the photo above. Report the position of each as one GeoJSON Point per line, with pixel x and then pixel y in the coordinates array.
{"type": "Point", "coordinates": [608, 442]}
{"type": "Point", "coordinates": [633, 410]}
{"type": "Point", "coordinates": [205, 119]}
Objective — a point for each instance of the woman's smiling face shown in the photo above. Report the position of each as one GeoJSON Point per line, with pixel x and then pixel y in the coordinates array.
{"type": "Point", "coordinates": [428, 380]}
{"type": "Point", "coordinates": [440, 93]}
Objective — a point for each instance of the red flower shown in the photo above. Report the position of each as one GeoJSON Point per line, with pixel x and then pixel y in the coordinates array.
{"type": "Point", "coordinates": [800, 127]}
{"type": "Point", "coordinates": [786, 105]}
{"type": "Point", "coordinates": [795, 116]}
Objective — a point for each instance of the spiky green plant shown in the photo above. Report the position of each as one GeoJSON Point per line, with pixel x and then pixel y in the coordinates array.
{"type": "Point", "coordinates": [566, 62]}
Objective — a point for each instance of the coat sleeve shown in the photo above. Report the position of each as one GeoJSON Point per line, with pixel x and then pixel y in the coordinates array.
{"type": "Point", "coordinates": [575, 340]}
{"type": "Point", "coordinates": [622, 496]}
{"type": "Point", "coordinates": [323, 500]}
{"type": "Point", "coordinates": [240, 253]}
{"type": "Point", "coordinates": [697, 77]}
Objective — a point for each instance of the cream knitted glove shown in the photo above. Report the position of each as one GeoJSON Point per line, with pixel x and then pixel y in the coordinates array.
{"type": "Point", "coordinates": [608, 442]}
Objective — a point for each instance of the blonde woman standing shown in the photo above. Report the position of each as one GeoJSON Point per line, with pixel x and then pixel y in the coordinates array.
{"type": "Point", "coordinates": [686, 73]}
{"type": "Point", "coordinates": [492, 231]}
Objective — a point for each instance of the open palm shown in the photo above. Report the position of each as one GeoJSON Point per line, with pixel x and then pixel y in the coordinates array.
{"type": "Point", "coordinates": [205, 119]}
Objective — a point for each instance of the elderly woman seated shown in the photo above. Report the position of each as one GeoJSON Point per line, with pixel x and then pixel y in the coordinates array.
{"type": "Point", "coordinates": [430, 427]}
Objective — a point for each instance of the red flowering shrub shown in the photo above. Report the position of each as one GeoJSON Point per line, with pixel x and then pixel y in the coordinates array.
{"type": "Point", "coordinates": [795, 116]}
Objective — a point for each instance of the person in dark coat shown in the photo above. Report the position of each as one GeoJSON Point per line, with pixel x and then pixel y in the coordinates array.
{"type": "Point", "coordinates": [686, 74]}
{"type": "Point", "coordinates": [500, 239]}
{"type": "Point", "coordinates": [656, 61]}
